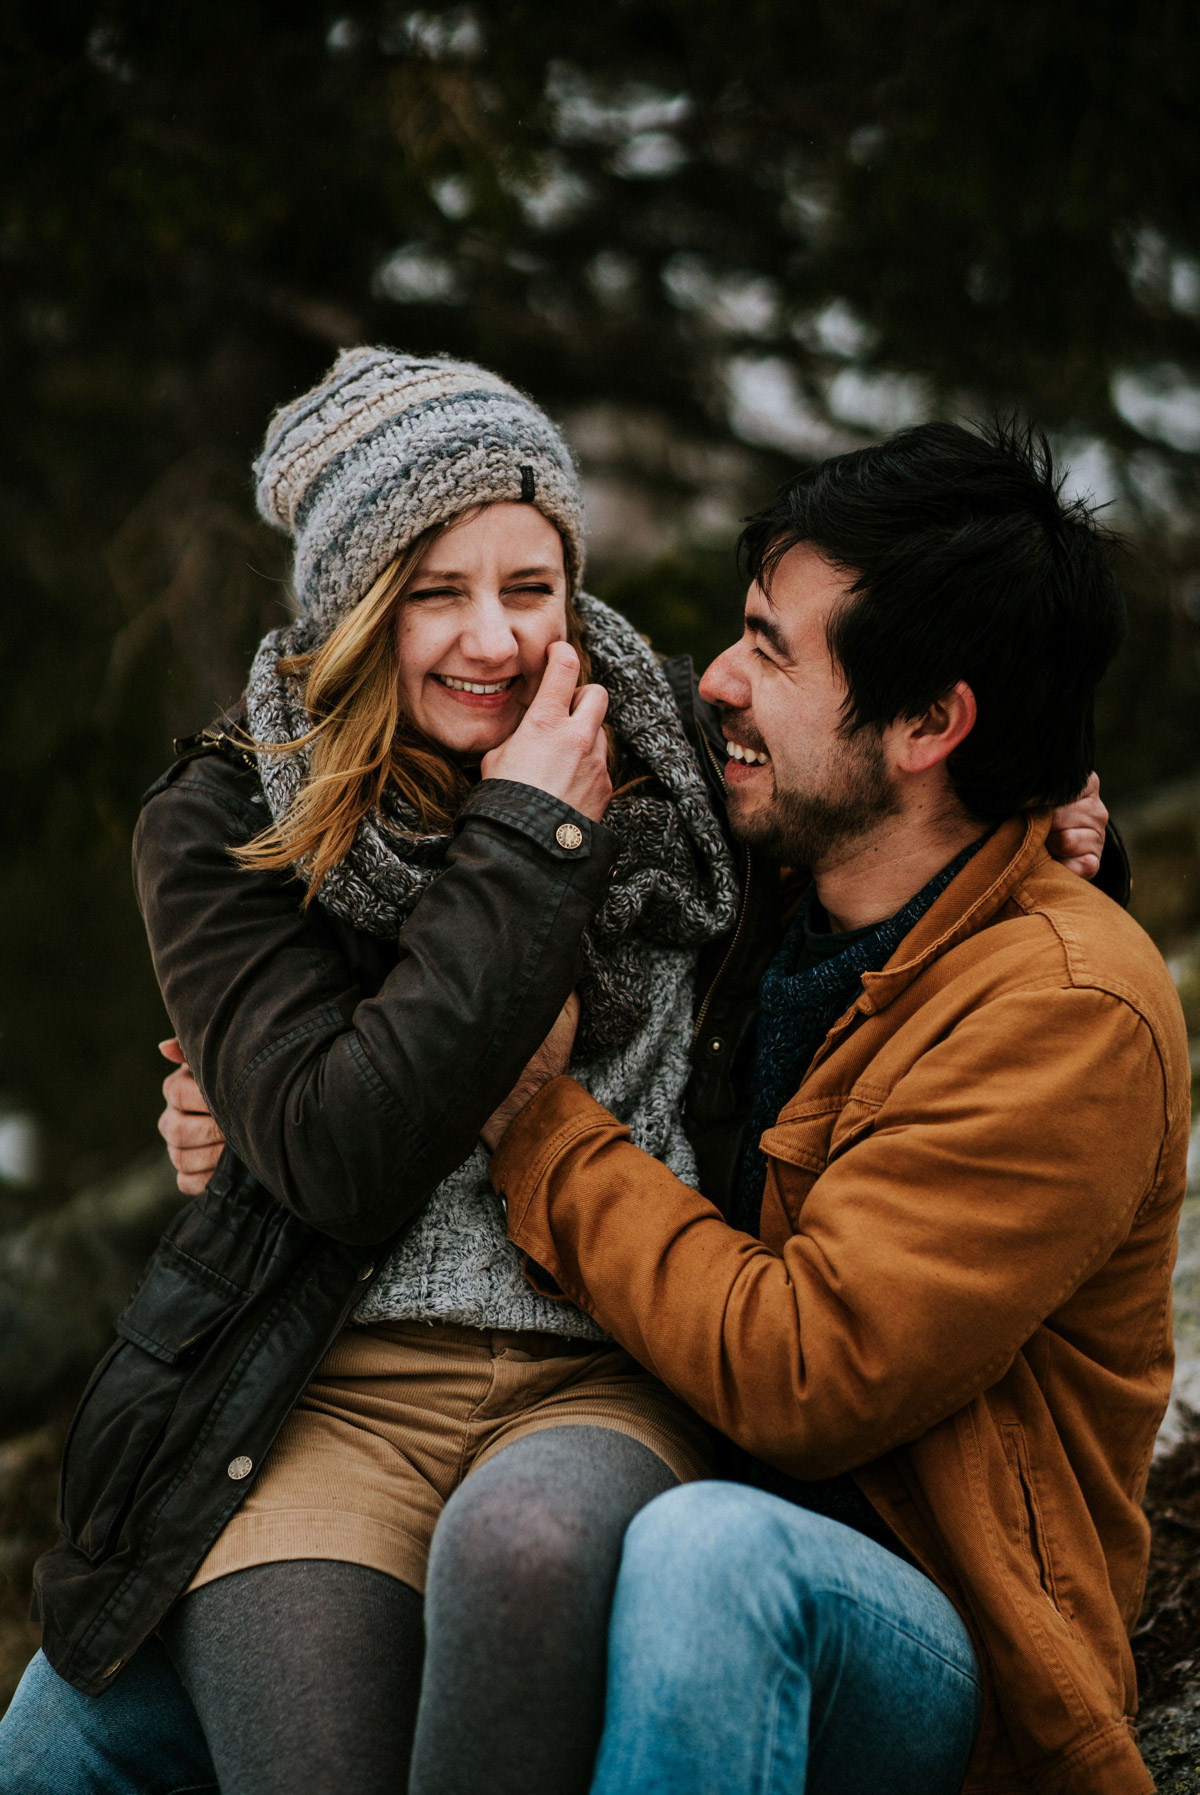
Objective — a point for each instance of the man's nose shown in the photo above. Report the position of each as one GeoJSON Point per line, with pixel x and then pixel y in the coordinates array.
{"type": "Point", "coordinates": [724, 683]}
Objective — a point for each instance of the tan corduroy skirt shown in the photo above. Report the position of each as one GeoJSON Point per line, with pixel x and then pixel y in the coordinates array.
{"type": "Point", "coordinates": [401, 1412]}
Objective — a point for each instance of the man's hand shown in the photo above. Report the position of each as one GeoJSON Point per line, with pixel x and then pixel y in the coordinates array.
{"type": "Point", "coordinates": [1076, 835]}
{"type": "Point", "coordinates": [548, 1062]}
{"type": "Point", "coordinates": [559, 744]}
{"type": "Point", "coordinates": [194, 1142]}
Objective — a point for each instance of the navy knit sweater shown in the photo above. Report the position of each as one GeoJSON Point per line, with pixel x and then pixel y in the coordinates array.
{"type": "Point", "coordinates": [813, 979]}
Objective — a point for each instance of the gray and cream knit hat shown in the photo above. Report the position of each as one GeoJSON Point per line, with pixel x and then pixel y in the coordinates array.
{"type": "Point", "coordinates": [389, 445]}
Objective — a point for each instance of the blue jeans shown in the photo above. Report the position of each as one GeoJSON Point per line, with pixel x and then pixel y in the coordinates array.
{"type": "Point", "coordinates": [758, 1649]}
{"type": "Point", "coordinates": [141, 1737]}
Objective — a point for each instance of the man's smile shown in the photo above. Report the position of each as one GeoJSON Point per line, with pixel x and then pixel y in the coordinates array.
{"type": "Point", "coordinates": [743, 761]}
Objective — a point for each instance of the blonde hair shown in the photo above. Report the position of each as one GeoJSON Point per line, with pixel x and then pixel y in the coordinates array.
{"type": "Point", "coordinates": [361, 737]}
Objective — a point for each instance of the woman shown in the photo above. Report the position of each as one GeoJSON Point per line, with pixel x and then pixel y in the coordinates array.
{"type": "Point", "coordinates": [353, 1026]}
{"type": "Point", "coordinates": [364, 919]}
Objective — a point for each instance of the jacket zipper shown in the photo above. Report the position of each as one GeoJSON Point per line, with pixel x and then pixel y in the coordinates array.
{"type": "Point", "coordinates": [702, 1012]}
{"type": "Point", "coordinates": [189, 746]}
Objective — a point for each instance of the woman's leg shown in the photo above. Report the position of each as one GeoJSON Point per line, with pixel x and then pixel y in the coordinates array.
{"type": "Point", "coordinates": [141, 1737]}
{"type": "Point", "coordinates": [305, 1676]}
{"type": "Point", "coordinates": [756, 1647]}
{"type": "Point", "coordinates": [520, 1583]}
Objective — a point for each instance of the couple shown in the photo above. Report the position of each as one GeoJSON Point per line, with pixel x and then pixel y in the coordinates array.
{"type": "Point", "coordinates": [876, 1171]}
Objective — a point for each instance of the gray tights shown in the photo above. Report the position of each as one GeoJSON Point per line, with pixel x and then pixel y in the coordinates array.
{"type": "Point", "coordinates": [326, 1678]}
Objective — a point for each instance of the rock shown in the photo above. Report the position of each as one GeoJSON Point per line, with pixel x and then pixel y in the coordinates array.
{"type": "Point", "coordinates": [1185, 1392]}
{"type": "Point", "coordinates": [1166, 1641]}
{"type": "Point", "coordinates": [1169, 1737]}
{"type": "Point", "coordinates": [64, 1277]}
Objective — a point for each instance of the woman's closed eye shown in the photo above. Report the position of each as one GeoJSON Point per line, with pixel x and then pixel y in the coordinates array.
{"type": "Point", "coordinates": [434, 592]}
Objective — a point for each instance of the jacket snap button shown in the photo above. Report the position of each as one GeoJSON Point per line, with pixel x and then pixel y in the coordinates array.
{"type": "Point", "coordinates": [569, 835]}
{"type": "Point", "coordinates": [238, 1468]}
{"type": "Point", "coordinates": [365, 1273]}
{"type": "Point", "coordinates": [716, 1045]}
{"type": "Point", "coordinates": [110, 1670]}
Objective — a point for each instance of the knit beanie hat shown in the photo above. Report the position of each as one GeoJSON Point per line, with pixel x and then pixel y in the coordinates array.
{"type": "Point", "coordinates": [389, 445]}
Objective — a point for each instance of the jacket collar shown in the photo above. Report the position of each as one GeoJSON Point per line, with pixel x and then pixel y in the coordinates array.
{"type": "Point", "coordinates": [968, 904]}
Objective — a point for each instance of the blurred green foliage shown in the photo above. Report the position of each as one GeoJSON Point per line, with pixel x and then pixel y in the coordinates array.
{"type": "Point", "coordinates": [713, 238]}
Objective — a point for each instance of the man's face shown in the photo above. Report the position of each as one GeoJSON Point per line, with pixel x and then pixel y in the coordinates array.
{"type": "Point", "coordinates": [781, 696]}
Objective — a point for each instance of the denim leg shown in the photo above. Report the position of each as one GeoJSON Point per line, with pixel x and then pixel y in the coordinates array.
{"type": "Point", "coordinates": [758, 1649]}
{"type": "Point", "coordinates": [140, 1738]}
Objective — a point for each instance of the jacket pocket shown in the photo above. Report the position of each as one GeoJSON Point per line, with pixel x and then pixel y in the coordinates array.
{"type": "Point", "coordinates": [178, 1306]}
{"type": "Point", "coordinates": [1031, 1523]}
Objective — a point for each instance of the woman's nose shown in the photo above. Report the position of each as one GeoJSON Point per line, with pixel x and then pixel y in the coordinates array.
{"type": "Point", "coordinates": [489, 635]}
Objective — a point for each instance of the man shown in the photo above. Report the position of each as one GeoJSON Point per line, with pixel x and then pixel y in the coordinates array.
{"type": "Point", "coordinates": [936, 1323]}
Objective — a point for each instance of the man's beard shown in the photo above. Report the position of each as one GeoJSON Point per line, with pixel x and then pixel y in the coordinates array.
{"type": "Point", "coordinates": [804, 828]}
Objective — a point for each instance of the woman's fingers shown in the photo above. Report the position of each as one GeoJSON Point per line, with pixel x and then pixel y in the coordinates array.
{"type": "Point", "coordinates": [553, 699]}
{"type": "Point", "coordinates": [559, 745]}
{"type": "Point", "coordinates": [589, 707]}
{"type": "Point", "coordinates": [171, 1050]}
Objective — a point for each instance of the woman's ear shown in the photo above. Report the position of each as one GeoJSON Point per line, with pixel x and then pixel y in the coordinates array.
{"type": "Point", "coordinates": [920, 743]}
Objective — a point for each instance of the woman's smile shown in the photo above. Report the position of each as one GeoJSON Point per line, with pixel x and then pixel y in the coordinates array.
{"type": "Point", "coordinates": [477, 694]}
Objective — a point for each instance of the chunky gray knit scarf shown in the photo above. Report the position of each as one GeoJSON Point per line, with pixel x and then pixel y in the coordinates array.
{"type": "Point", "coordinates": [673, 882]}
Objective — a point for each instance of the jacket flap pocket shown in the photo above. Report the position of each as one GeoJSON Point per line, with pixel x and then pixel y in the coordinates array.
{"type": "Point", "coordinates": [178, 1303]}
{"type": "Point", "coordinates": [802, 1140]}
{"type": "Point", "coordinates": [810, 1134]}
{"type": "Point", "coordinates": [857, 1118]}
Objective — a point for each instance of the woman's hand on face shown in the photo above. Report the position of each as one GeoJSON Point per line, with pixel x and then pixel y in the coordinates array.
{"type": "Point", "coordinates": [194, 1142]}
{"type": "Point", "coordinates": [550, 1061]}
{"type": "Point", "coordinates": [1076, 835]}
{"type": "Point", "coordinates": [559, 744]}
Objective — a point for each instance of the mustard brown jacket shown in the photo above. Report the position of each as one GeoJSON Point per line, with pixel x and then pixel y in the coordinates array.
{"type": "Point", "coordinates": [962, 1288]}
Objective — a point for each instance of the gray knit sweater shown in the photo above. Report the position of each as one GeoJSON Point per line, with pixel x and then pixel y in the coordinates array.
{"type": "Point", "coordinates": [456, 1263]}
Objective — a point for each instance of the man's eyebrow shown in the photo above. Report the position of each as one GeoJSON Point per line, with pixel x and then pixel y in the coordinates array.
{"type": "Point", "coordinates": [769, 630]}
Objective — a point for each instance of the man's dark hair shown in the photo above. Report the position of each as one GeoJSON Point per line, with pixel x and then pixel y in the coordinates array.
{"type": "Point", "coordinates": [967, 564]}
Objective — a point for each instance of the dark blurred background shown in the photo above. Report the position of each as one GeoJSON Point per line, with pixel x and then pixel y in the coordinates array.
{"type": "Point", "coordinates": [713, 239]}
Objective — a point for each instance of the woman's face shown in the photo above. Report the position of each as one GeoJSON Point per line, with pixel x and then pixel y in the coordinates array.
{"type": "Point", "coordinates": [483, 606]}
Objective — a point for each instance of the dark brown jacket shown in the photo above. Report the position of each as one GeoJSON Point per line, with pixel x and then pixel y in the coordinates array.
{"type": "Point", "coordinates": [350, 1075]}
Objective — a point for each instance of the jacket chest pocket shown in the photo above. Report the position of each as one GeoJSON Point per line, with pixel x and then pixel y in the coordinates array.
{"type": "Point", "coordinates": [178, 1306]}
{"type": "Point", "coordinates": [810, 1136]}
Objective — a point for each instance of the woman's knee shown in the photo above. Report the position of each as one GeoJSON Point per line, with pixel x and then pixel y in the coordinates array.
{"type": "Point", "coordinates": [550, 1511]}
{"type": "Point", "coordinates": [507, 1539]}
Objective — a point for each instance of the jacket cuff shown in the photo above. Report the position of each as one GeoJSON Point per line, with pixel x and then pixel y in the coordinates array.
{"type": "Point", "coordinates": [538, 1138]}
{"type": "Point", "coordinates": [565, 833]}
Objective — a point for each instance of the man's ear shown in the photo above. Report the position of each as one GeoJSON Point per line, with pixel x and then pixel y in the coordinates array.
{"type": "Point", "coordinates": [924, 742]}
